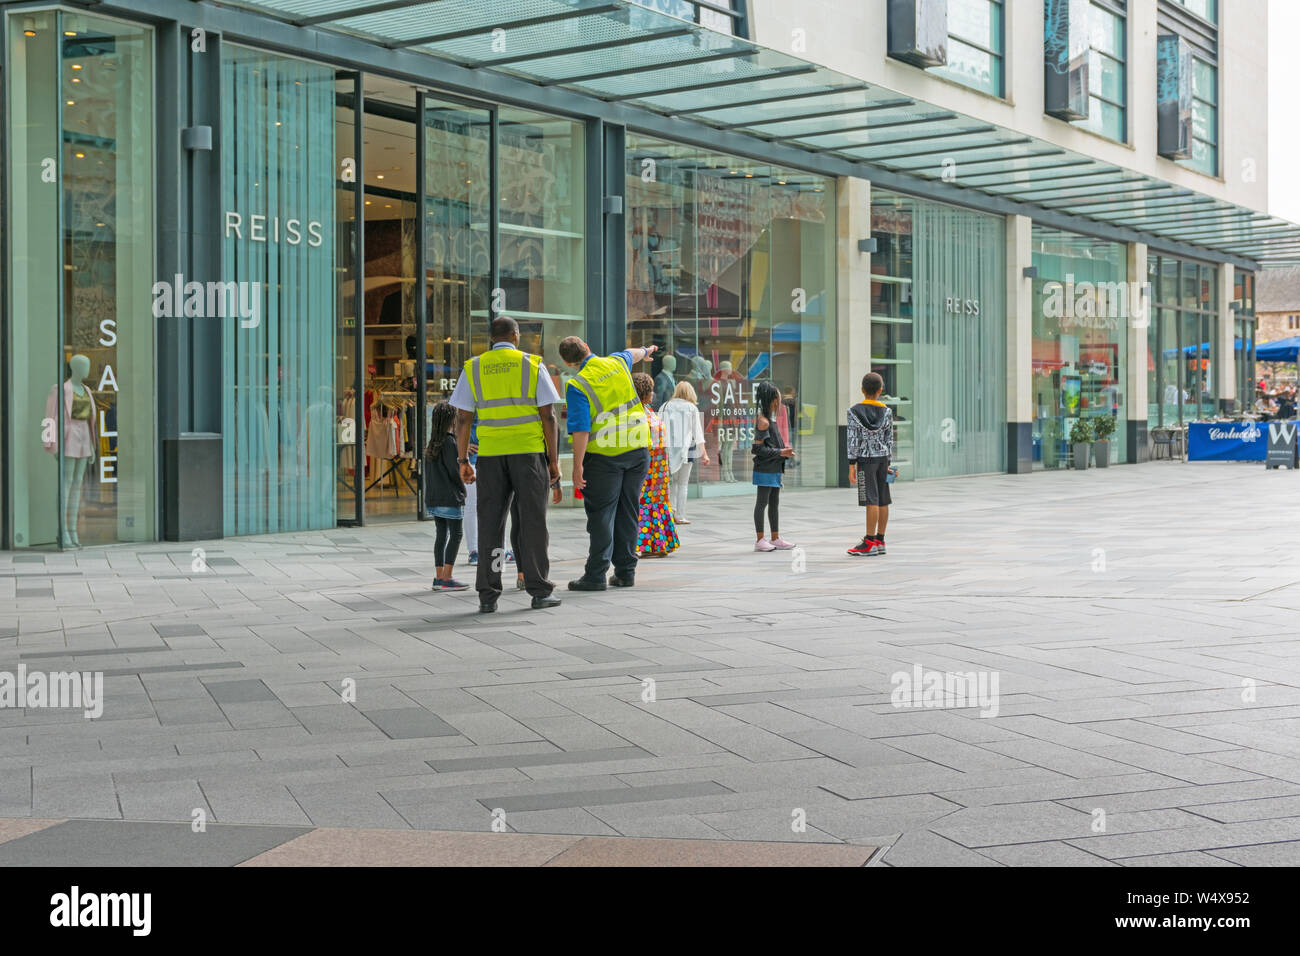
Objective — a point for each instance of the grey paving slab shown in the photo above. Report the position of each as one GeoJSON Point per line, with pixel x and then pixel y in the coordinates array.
{"type": "Point", "coordinates": [1119, 690]}
{"type": "Point", "coordinates": [601, 798]}
{"type": "Point", "coordinates": [89, 843]}
{"type": "Point", "coordinates": [404, 723]}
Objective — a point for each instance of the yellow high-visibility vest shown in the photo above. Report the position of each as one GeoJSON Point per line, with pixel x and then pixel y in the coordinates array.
{"type": "Point", "coordinates": [618, 421]}
{"type": "Point", "coordinates": [504, 385]}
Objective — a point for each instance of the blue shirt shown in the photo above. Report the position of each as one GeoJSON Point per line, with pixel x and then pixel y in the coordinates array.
{"type": "Point", "coordinates": [579, 416]}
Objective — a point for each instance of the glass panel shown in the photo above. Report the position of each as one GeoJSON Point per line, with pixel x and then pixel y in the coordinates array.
{"type": "Point", "coordinates": [1204, 86]}
{"type": "Point", "coordinates": [1106, 32]}
{"type": "Point", "coordinates": [278, 185]}
{"type": "Point", "coordinates": [972, 67]}
{"type": "Point", "coordinates": [1106, 77]}
{"type": "Point", "coordinates": [1194, 365]}
{"type": "Point", "coordinates": [348, 430]}
{"type": "Point", "coordinates": [731, 272]}
{"type": "Point", "coordinates": [1080, 340]}
{"type": "Point", "coordinates": [542, 216]}
{"type": "Point", "coordinates": [893, 318]}
{"type": "Point", "coordinates": [978, 21]}
{"type": "Point", "coordinates": [959, 413]}
{"type": "Point", "coordinates": [1209, 9]}
{"type": "Point", "coordinates": [458, 177]}
{"type": "Point", "coordinates": [107, 72]}
{"type": "Point", "coordinates": [1154, 377]}
{"type": "Point", "coordinates": [1104, 118]}
{"type": "Point", "coordinates": [1171, 368]}
{"type": "Point", "coordinates": [1204, 122]}
{"type": "Point", "coordinates": [32, 146]}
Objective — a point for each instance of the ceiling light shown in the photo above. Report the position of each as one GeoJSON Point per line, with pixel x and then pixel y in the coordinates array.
{"type": "Point", "coordinates": [76, 66]}
{"type": "Point", "coordinates": [379, 175]}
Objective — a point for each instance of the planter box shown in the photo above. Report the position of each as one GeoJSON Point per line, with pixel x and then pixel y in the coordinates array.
{"type": "Point", "coordinates": [1101, 453]}
{"type": "Point", "coordinates": [1082, 451]}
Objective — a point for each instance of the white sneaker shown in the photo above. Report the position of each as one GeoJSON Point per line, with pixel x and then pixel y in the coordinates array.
{"type": "Point", "coordinates": [780, 544]}
{"type": "Point", "coordinates": [762, 544]}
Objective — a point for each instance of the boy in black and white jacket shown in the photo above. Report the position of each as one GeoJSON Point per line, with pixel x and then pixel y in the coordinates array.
{"type": "Point", "coordinates": [870, 446]}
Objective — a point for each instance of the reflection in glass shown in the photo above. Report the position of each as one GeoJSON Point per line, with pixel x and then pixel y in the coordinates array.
{"type": "Point", "coordinates": [730, 272]}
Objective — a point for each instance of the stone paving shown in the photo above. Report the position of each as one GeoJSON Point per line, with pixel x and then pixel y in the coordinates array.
{"type": "Point", "coordinates": [1140, 623]}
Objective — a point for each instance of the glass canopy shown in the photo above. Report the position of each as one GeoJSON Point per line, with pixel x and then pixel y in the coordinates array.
{"type": "Point", "coordinates": [678, 58]}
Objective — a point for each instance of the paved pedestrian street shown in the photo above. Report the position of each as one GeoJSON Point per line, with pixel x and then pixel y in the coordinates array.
{"type": "Point", "coordinates": [1129, 636]}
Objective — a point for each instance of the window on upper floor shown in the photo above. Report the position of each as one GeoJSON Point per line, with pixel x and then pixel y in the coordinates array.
{"type": "Point", "coordinates": [1205, 9]}
{"type": "Point", "coordinates": [976, 45]}
{"type": "Point", "coordinates": [1205, 117]}
{"type": "Point", "coordinates": [1107, 69]}
{"type": "Point", "coordinates": [1187, 85]}
{"type": "Point", "coordinates": [708, 13]}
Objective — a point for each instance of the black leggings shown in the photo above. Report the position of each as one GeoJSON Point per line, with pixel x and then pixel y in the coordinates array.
{"type": "Point", "coordinates": [447, 543]}
{"type": "Point", "coordinates": [769, 498]}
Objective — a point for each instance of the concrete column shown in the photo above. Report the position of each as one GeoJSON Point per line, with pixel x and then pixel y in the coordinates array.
{"type": "Point", "coordinates": [1226, 375]}
{"type": "Point", "coordinates": [853, 309]}
{"type": "Point", "coordinates": [1020, 346]}
{"type": "Point", "coordinates": [1140, 311]}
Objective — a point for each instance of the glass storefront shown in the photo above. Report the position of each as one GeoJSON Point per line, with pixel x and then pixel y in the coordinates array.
{"type": "Point", "coordinates": [80, 147]}
{"type": "Point", "coordinates": [938, 334]}
{"type": "Point", "coordinates": [731, 272]}
{"type": "Point", "coordinates": [278, 264]}
{"type": "Point", "coordinates": [1245, 325]}
{"type": "Point", "coordinates": [1183, 350]}
{"type": "Point", "coordinates": [1080, 340]}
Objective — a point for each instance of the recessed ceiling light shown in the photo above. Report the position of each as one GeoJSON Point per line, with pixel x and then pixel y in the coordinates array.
{"type": "Point", "coordinates": [72, 102]}
{"type": "Point", "coordinates": [76, 66]}
{"type": "Point", "coordinates": [79, 155]}
{"type": "Point", "coordinates": [379, 175]}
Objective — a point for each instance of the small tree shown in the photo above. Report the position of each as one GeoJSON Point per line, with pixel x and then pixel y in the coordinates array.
{"type": "Point", "coordinates": [1081, 431]}
{"type": "Point", "coordinates": [1103, 427]}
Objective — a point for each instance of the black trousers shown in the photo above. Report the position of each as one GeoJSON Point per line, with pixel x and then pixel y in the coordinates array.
{"type": "Point", "coordinates": [516, 485]}
{"type": "Point", "coordinates": [611, 500]}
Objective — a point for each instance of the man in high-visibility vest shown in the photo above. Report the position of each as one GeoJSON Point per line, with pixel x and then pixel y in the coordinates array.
{"type": "Point", "coordinates": [512, 396]}
{"type": "Point", "coordinates": [611, 454]}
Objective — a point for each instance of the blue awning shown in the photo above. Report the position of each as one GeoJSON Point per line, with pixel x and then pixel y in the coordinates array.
{"type": "Point", "coordinates": [1199, 349]}
{"type": "Point", "coordinates": [625, 53]}
{"type": "Point", "coordinates": [1283, 350]}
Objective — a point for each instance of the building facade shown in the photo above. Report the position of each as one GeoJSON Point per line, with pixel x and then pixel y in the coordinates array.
{"type": "Point", "coordinates": [249, 246]}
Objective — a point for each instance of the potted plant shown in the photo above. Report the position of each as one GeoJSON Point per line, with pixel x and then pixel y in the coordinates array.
{"type": "Point", "coordinates": [1103, 428]}
{"type": "Point", "coordinates": [1081, 442]}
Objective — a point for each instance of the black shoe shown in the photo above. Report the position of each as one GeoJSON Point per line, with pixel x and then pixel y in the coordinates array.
{"type": "Point", "coordinates": [582, 584]}
{"type": "Point", "coordinates": [541, 603]}
{"type": "Point", "coordinates": [617, 582]}
{"type": "Point", "coordinates": [487, 607]}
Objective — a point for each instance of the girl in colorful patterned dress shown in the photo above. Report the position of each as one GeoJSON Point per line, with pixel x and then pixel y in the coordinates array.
{"type": "Point", "coordinates": [657, 533]}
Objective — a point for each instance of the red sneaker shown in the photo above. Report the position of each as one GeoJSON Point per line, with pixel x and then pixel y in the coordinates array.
{"type": "Point", "coordinates": [867, 547]}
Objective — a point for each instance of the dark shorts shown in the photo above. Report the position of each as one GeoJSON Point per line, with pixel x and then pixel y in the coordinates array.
{"type": "Point", "coordinates": [873, 489]}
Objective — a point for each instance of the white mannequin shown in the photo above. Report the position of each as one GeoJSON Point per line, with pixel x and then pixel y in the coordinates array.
{"type": "Point", "coordinates": [79, 453]}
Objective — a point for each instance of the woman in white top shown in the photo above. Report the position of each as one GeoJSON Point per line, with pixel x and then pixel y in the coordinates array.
{"type": "Point", "coordinates": [684, 426]}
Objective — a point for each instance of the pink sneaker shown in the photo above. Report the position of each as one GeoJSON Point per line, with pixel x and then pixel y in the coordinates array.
{"type": "Point", "coordinates": [762, 544]}
{"type": "Point", "coordinates": [780, 544]}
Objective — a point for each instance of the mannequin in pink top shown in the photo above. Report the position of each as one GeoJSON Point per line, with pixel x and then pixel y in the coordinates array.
{"type": "Point", "coordinates": [79, 439]}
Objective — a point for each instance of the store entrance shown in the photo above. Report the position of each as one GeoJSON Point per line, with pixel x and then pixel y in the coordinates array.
{"type": "Point", "coordinates": [422, 184]}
